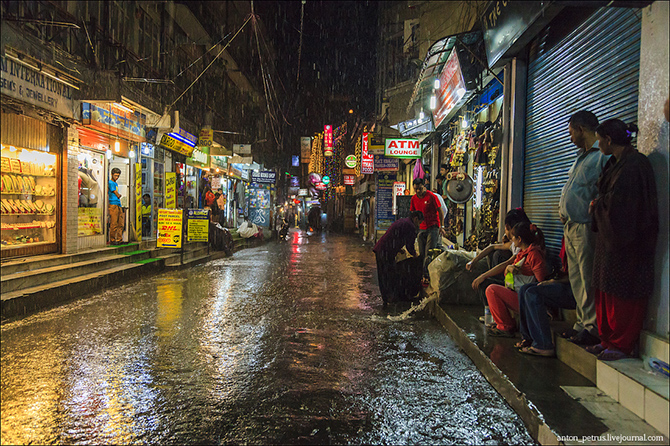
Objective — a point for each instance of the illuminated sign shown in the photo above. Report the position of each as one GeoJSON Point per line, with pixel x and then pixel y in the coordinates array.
{"type": "Point", "coordinates": [367, 160]}
{"type": "Point", "coordinates": [181, 141]}
{"type": "Point", "coordinates": [114, 120]}
{"type": "Point", "coordinates": [206, 138]}
{"type": "Point", "coordinates": [402, 148]}
{"type": "Point", "coordinates": [350, 161]}
{"type": "Point", "coordinates": [349, 180]}
{"type": "Point", "coordinates": [295, 160]}
{"type": "Point", "coordinates": [326, 180]}
{"type": "Point", "coordinates": [327, 140]}
{"type": "Point", "coordinates": [452, 89]}
{"type": "Point", "coordinates": [264, 176]}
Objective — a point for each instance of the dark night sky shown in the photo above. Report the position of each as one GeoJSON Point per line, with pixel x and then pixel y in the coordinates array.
{"type": "Point", "coordinates": [337, 67]}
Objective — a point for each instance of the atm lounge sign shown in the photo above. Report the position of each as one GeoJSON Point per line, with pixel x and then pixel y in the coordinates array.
{"type": "Point", "coordinates": [402, 148]}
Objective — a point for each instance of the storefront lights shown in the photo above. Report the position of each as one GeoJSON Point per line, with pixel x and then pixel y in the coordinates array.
{"type": "Point", "coordinates": [433, 102]}
{"type": "Point", "coordinates": [460, 92]}
{"type": "Point", "coordinates": [464, 123]}
{"type": "Point", "coordinates": [436, 84]}
{"type": "Point", "coordinates": [109, 154]}
{"type": "Point", "coordinates": [421, 115]}
{"type": "Point", "coordinates": [117, 146]}
{"type": "Point", "coordinates": [131, 154]}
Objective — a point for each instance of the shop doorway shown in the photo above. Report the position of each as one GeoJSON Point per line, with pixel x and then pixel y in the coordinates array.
{"type": "Point", "coordinates": [123, 164]}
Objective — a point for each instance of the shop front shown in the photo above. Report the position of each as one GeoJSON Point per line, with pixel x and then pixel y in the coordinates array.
{"type": "Point", "coordinates": [110, 138]}
{"type": "Point", "coordinates": [152, 160]}
{"type": "Point", "coordinates": [31, 186]}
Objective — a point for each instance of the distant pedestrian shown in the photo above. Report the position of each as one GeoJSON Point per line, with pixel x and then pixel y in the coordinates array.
{"type": "Point", "coordinates": [402, 233]}
{"type": "Point", "coordinates": [115, 210]}
{"type": "Point", "coordinates": [625, 219]}
{"type": "Point", "coordinates": [573, 210]}
{"type": "Point", "coordinates": [431, 226]}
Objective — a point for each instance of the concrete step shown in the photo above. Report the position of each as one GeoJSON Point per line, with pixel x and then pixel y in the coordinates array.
{"type": "Point", "coordinates": [13, 266]}
{"type": "Point", "coordinates": [42, 276]}
{"type": "Point", "coordinates": [36, 298]}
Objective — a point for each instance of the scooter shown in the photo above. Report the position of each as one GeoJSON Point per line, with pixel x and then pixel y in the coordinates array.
{"type": "Point", "coordinates": [283, 232]}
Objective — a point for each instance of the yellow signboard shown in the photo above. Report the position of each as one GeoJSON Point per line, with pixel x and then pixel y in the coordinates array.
{"type": "Point", "coordinates": [171, 190]}
{"type": "Point", "coordinates": [176, 145]}
{"type": "Point", "coordinates": [90, 221]}
{"type": "Point", "coordinates": [206, 138]}
{"type": "Point", "coordinates": [198, 225]}
{"type": "Point", "coordinates": [169, 228]}
{"type": "Point", "coordinates": [138, 201]}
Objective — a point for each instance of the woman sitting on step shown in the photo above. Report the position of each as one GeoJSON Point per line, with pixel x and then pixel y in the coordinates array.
{"type": "Point", "coordinates": [529, 266]}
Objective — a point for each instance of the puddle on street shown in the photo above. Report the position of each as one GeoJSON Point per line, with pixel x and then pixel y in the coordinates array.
{"type": "Point", "coordinates": [285, 343]}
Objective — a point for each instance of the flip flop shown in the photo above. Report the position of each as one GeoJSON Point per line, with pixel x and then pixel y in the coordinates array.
{"type": "Point", "coordinates": [523, 343]}
{"type": "Point", "coordinates": [495, 331]}
{"type": "Point", "coordinates": [595, 349]}
{"type": "Point", "coordinates": [611, 355]}
{"type": "Point", "coordinates": [538, 352]}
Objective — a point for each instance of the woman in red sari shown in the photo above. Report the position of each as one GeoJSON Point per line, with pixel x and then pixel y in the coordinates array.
{"type": "Point", "coordinates": [625, 219]}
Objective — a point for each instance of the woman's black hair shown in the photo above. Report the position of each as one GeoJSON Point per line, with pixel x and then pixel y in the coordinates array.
{"type": "Point", "coordinates": [618, 131]}
{"type": "Point", "coordinates": [516, 216]}
{"type": "Point", "coordinates": [416, 214]}
{"type": "Point", "coordinates": [529, 233]}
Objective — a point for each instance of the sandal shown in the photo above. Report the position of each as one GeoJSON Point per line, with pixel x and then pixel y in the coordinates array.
{"type": "Point", "coordinates": [595, 349]}
{"type": "Point", "coordinates": [538, 352]}
{"type": "Point", "coordinates": [523, 343]}
{"type": "Point", "coordinates": [495, 331]}
{"type": "Point", "coordinates": [611, 354]}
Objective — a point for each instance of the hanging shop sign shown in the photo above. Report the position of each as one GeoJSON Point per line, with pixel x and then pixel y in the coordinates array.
{"type": "Point", "coordinates": [206, 137]}
{"type": "Point", "coordinates": [197, 225]}
{"type": "Point", "coordinates": [114, 120]}
{"type": "Point", "coordinates": [169, 228]}
{"type": "Point", "coordinates": [303, 193]}
{"type": "Point", "coordinates": [349, 180]}
{"type": "Point", "coordinates": [416, 127]}
{"type": "Point", "coordinates": [384, 164]}
{"type": "Point", "coordinates": [218, 161]}
{"type": "Point", "coordinates": [375, 144]}
{"type": "Point", "coordinates": [181, 141]}
{"type": "Point", "coordinates": [240, 159]}
{"type": "Point", "coordinates": [398, 190]}
{"type": "Point", "coordinates": [295, 181]}
{"type": "Point", "coordinates": [384, 199]}
{"type": "Point", "coordinates": [171, 190]}
{"type": "Point", "coordinates": [328, 140]}
{"type": "Point", "coordinates": [305, 149]}
{"type": "Point", "coordinates": [147, 149]}
{"type": "Point", "coordinates": [264, 177]}
{"type": "Point", "coordinates": [320, 186]}
{"type": "Point", "coordinates": [199, 157]}
{"type": "Point", "coordinates": [403, 148]}
{"type": "Point", "coordinates": [242, 149]}
{"type": "Point", "coordinates": [452, 88]}
{"type": "Point", "coordinates": [295, 160]}
{"type": "Point", "coordinates": [216, 183]}
{"type": "Point", "coordinates": [138, 201]}
{"type": "Point", "coordinates": [259, 205]}
{"type": "Point", "coordinates": [35, 87]}
{"type": "Point", "coordinates": [326, 180]}
{"type": "Point", "coordinates": [238, 171]}
{"type": "Point", "coordinates": [350, 161]}
{"type": "Point", "coordinates": [367, 159]}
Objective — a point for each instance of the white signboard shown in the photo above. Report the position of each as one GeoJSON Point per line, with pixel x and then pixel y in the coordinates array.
{"type": "Point", "coordinates": [33, 87]}
{"type": "Point", "coordinates": [398, 189]}
{"type": "Point", "coordinates": [242, 149]}
{"type": "Point", "coordinates": [402, 148]}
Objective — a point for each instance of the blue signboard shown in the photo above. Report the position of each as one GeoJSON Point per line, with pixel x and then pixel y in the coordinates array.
{"type": "Point", "coordinates": [259, 205]}
{"type": "Point", "coordinates": [295, 160]}
{"type": "Point", "coordinates": [384, 201]}
{"type": "Point", "coordinates": [384, 164]}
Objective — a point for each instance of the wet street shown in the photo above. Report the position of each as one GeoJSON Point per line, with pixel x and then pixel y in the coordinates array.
{"type": "Point", "coordinates": [284, 343]}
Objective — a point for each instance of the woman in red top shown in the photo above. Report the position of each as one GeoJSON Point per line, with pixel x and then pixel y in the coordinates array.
{"type": "Point", "coordinates": [500, 299]}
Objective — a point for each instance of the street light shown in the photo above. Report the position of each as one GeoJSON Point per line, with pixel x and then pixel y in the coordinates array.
{"type": "Point", "coordinates": [433, 102]}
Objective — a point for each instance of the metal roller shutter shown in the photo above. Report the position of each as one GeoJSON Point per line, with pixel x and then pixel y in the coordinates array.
{"type": "Point", "coordinates": [595, 68]}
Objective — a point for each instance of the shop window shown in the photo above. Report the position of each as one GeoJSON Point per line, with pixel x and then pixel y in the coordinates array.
{"type": "Point", "coordinates": [91, 185]}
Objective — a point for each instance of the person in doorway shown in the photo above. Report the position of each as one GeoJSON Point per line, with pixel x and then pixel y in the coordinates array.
{"type": "Point", "coordinates": [210, 198]}
{"type": "Point", "coordinates": [438, 190]}
{"type": "Point", "coordinates": [431, 227]}
{"type": "Point", "coordinates": [573, 210]}
{"type": "Point", "coordinates": [146, 215]}
{"type": "Point", "coordinates": [444, 169]}
{"type": "Point", "coordinates": [115, 210]}
{"type": "Point", "coordinates": [528, 266]}
{"type": "Point", "coordinates": [625, 220]}
{"type": "Point", "coordinates": [402, 233]}
{"type": "Point", "coordinates": [221, 204]}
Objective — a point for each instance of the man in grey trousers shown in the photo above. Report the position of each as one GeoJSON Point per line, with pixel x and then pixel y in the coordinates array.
{"type": "Point", "coordinates": [576, 197]}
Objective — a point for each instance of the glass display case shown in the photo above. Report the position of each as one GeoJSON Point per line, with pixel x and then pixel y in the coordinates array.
{"type": "Point", "coordinates": [28, 197]}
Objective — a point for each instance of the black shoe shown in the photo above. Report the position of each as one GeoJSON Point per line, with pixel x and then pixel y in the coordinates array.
{"type": "Point", "coordinates": [584, 338]}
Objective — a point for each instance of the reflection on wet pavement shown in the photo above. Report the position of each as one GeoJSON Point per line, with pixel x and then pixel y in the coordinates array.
{"type": "Point", "coordinates": [285, 343]}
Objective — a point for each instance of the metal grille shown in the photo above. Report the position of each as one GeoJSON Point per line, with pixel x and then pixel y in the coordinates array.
{"type": "Point", "coordinates": [595, 68]}
{"type": "Point", "coordinates": [22, 131]}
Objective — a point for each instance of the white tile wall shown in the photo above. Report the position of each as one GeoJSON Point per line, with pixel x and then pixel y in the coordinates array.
{"type": "Point", "coordinates": [631, 395]}
{"type": "Point", "coordinates": [656, 412]}
{"type": "Point", "coordinates": [607, 379]}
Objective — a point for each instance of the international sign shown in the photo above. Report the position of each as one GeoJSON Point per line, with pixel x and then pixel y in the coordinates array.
{"type": "Point", "coordinates": [198, 225]}
{"type": "Point", "coordinates": [350, 161]}
{"type": "Point", "coordinates": [402, 148]}
{"type": "Point", "coordinates": [264, 177]}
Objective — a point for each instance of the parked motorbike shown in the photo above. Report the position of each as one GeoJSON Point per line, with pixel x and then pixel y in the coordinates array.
{"type": "Point", "coordinates": [283, 232]}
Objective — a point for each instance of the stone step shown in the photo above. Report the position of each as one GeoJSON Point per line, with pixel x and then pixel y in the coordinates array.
{"type": "Point", "coordinates": [36, 298]}
{"type": "Point", "coordinates": [43, 276]}
{"type": "Point", "coordinates": [13, 266]}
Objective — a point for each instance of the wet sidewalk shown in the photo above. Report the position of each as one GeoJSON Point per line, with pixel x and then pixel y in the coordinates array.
{"type": "Point", "coordinates": [558, 405]}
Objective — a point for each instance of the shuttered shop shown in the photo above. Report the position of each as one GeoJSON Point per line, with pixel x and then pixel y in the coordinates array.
{"type": "Point", "coordinates": [595, 68]}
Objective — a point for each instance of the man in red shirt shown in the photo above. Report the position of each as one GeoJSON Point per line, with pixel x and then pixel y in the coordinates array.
{"type": "Point", "coordinates": [431, 227]}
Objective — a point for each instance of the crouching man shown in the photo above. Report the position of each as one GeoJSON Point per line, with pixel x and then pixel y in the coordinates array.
{"type": "Point", "coordinates": [401, 233]}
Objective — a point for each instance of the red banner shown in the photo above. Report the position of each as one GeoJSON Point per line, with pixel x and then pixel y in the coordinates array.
{"type": "Point", "coordinates": [327, 140]}
{"type": "Point", "coordinates": [367, 160]}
